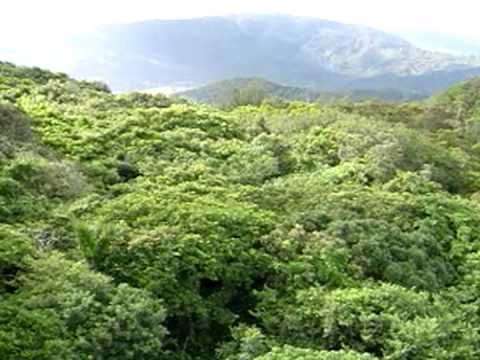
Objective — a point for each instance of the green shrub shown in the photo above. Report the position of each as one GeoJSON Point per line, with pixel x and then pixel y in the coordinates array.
{"type": "Point", "coordinates": [95, 318]}
{"type": "Point", "coordinates": [14, 125]}
{"type": "Point", "coordinates": [291, 353]}
{"type": "Point", "coordinates": [51, 178]}
{"type": "Point", "coordinates": [374, 320]}
{"type": "Point", "coordinates": [15, 251]}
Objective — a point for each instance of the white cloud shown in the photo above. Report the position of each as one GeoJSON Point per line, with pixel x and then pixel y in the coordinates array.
{"type": "Point", "coordinates": [44, 18]}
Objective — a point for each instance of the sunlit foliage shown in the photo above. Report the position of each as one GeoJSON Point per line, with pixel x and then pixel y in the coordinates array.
{"type": "Point", "coordinates": [136, 226]}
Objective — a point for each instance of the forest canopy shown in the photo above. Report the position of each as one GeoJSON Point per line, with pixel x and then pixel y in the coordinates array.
{"type": "Point", "coordinates": [136, 226]}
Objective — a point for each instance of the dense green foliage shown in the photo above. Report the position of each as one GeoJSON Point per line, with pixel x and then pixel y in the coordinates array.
{"type": "Point", "coordinates": [135, 227]}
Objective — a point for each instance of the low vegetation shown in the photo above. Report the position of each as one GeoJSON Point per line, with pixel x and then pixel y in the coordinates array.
{"type": "Point", "coordinates": [135, 226]}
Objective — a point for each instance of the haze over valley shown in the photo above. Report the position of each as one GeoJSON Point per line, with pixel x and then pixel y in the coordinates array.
{"type": "Point", "coordinates": [294, 51]}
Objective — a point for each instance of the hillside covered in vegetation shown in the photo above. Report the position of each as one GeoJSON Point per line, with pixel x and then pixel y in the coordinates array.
{"type": "Point", "coordinates": [253, 91]}
{"type": "Point", "coordinates": [249, 91]}
{"type": "Point", "coordinates": [135, 226]}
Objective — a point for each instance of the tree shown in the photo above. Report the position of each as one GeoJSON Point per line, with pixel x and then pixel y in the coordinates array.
{"type": "Point", "coordinates": [77, 311]}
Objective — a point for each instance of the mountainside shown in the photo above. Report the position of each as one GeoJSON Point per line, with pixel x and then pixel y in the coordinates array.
{"type": "Point", "coordinates": [297, 51]}
{"type": "Point", "coordinates": [463, 100]}
{"type": "Point", "coordinates": [224, 92]}
{"type": "Point", "coordinates": [133, 226]}
{"type": "Point", "coordinates": [255, 90]}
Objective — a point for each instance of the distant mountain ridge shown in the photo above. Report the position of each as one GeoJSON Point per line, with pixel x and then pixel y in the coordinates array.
{"type": "Point", "coordinates": [222, 93]}
{"type": "Point", "coordinates": [298, 51]}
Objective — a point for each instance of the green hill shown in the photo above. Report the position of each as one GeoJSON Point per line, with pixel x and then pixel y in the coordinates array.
{"type": "Point", "coordinates": [133, 226]}
{"type": "Point", "coordinates": [249, 90]}
{"type": "Point", "coordinates": [255, 90]}
{"type": "Point", "coordinates": [463, 99]}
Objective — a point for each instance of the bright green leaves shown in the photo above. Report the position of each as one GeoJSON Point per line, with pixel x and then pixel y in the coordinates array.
{"type": "Point", "coordinates": [291, 353]}
{"type": "Point", "coordinates": [83, 312]}
{"type": "Point", "coordinates": [200, 253]}
{"type": "Point", "coordinates": [384, 320]}
{"type": "Point", "coordinates": [265, 158]}
{"type": "Point", "coordinates": [272, 232]}
{"type": "Point", "coordinates": [32, 334]}
{"type": "Point", "coordinates": [397, 237]}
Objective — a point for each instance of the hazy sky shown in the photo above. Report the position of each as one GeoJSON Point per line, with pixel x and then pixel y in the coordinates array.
{"type": "Point", "coordinates": [22, 18]}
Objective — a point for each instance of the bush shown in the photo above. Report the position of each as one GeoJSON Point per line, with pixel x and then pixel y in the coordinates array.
{"type": "Point", "coordinates": [55, 179]}
{"type": "Point", "coordinates": [370, 320]}
{"type": "Point", "coordinates": [291, 353]}
{"type": "Point", "coordinates": [14, 125]}
{"type": "Point", "coordinates": [93, 317]}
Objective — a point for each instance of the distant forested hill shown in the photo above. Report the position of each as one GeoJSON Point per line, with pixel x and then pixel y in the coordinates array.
{"type": "Point", "coordinates": [227, 92]}
{"type": "Point", "coordinates": [255, 90]}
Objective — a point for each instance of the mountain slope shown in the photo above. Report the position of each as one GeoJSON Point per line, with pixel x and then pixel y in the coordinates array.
{"type": "Point", "coordinates": [134, 227]}
{"type": "Point", "coordinates": [297, 51]}
{"type": "Point", "coordinates": [254, 90]}
{"type": "Point", "coordinates": [462, 100]}
{"type": "Point", "coordinates": [222, 92]}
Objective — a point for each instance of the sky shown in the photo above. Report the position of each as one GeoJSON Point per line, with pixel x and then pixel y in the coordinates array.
{"type": "Point", "coordinates": [35, 18]}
